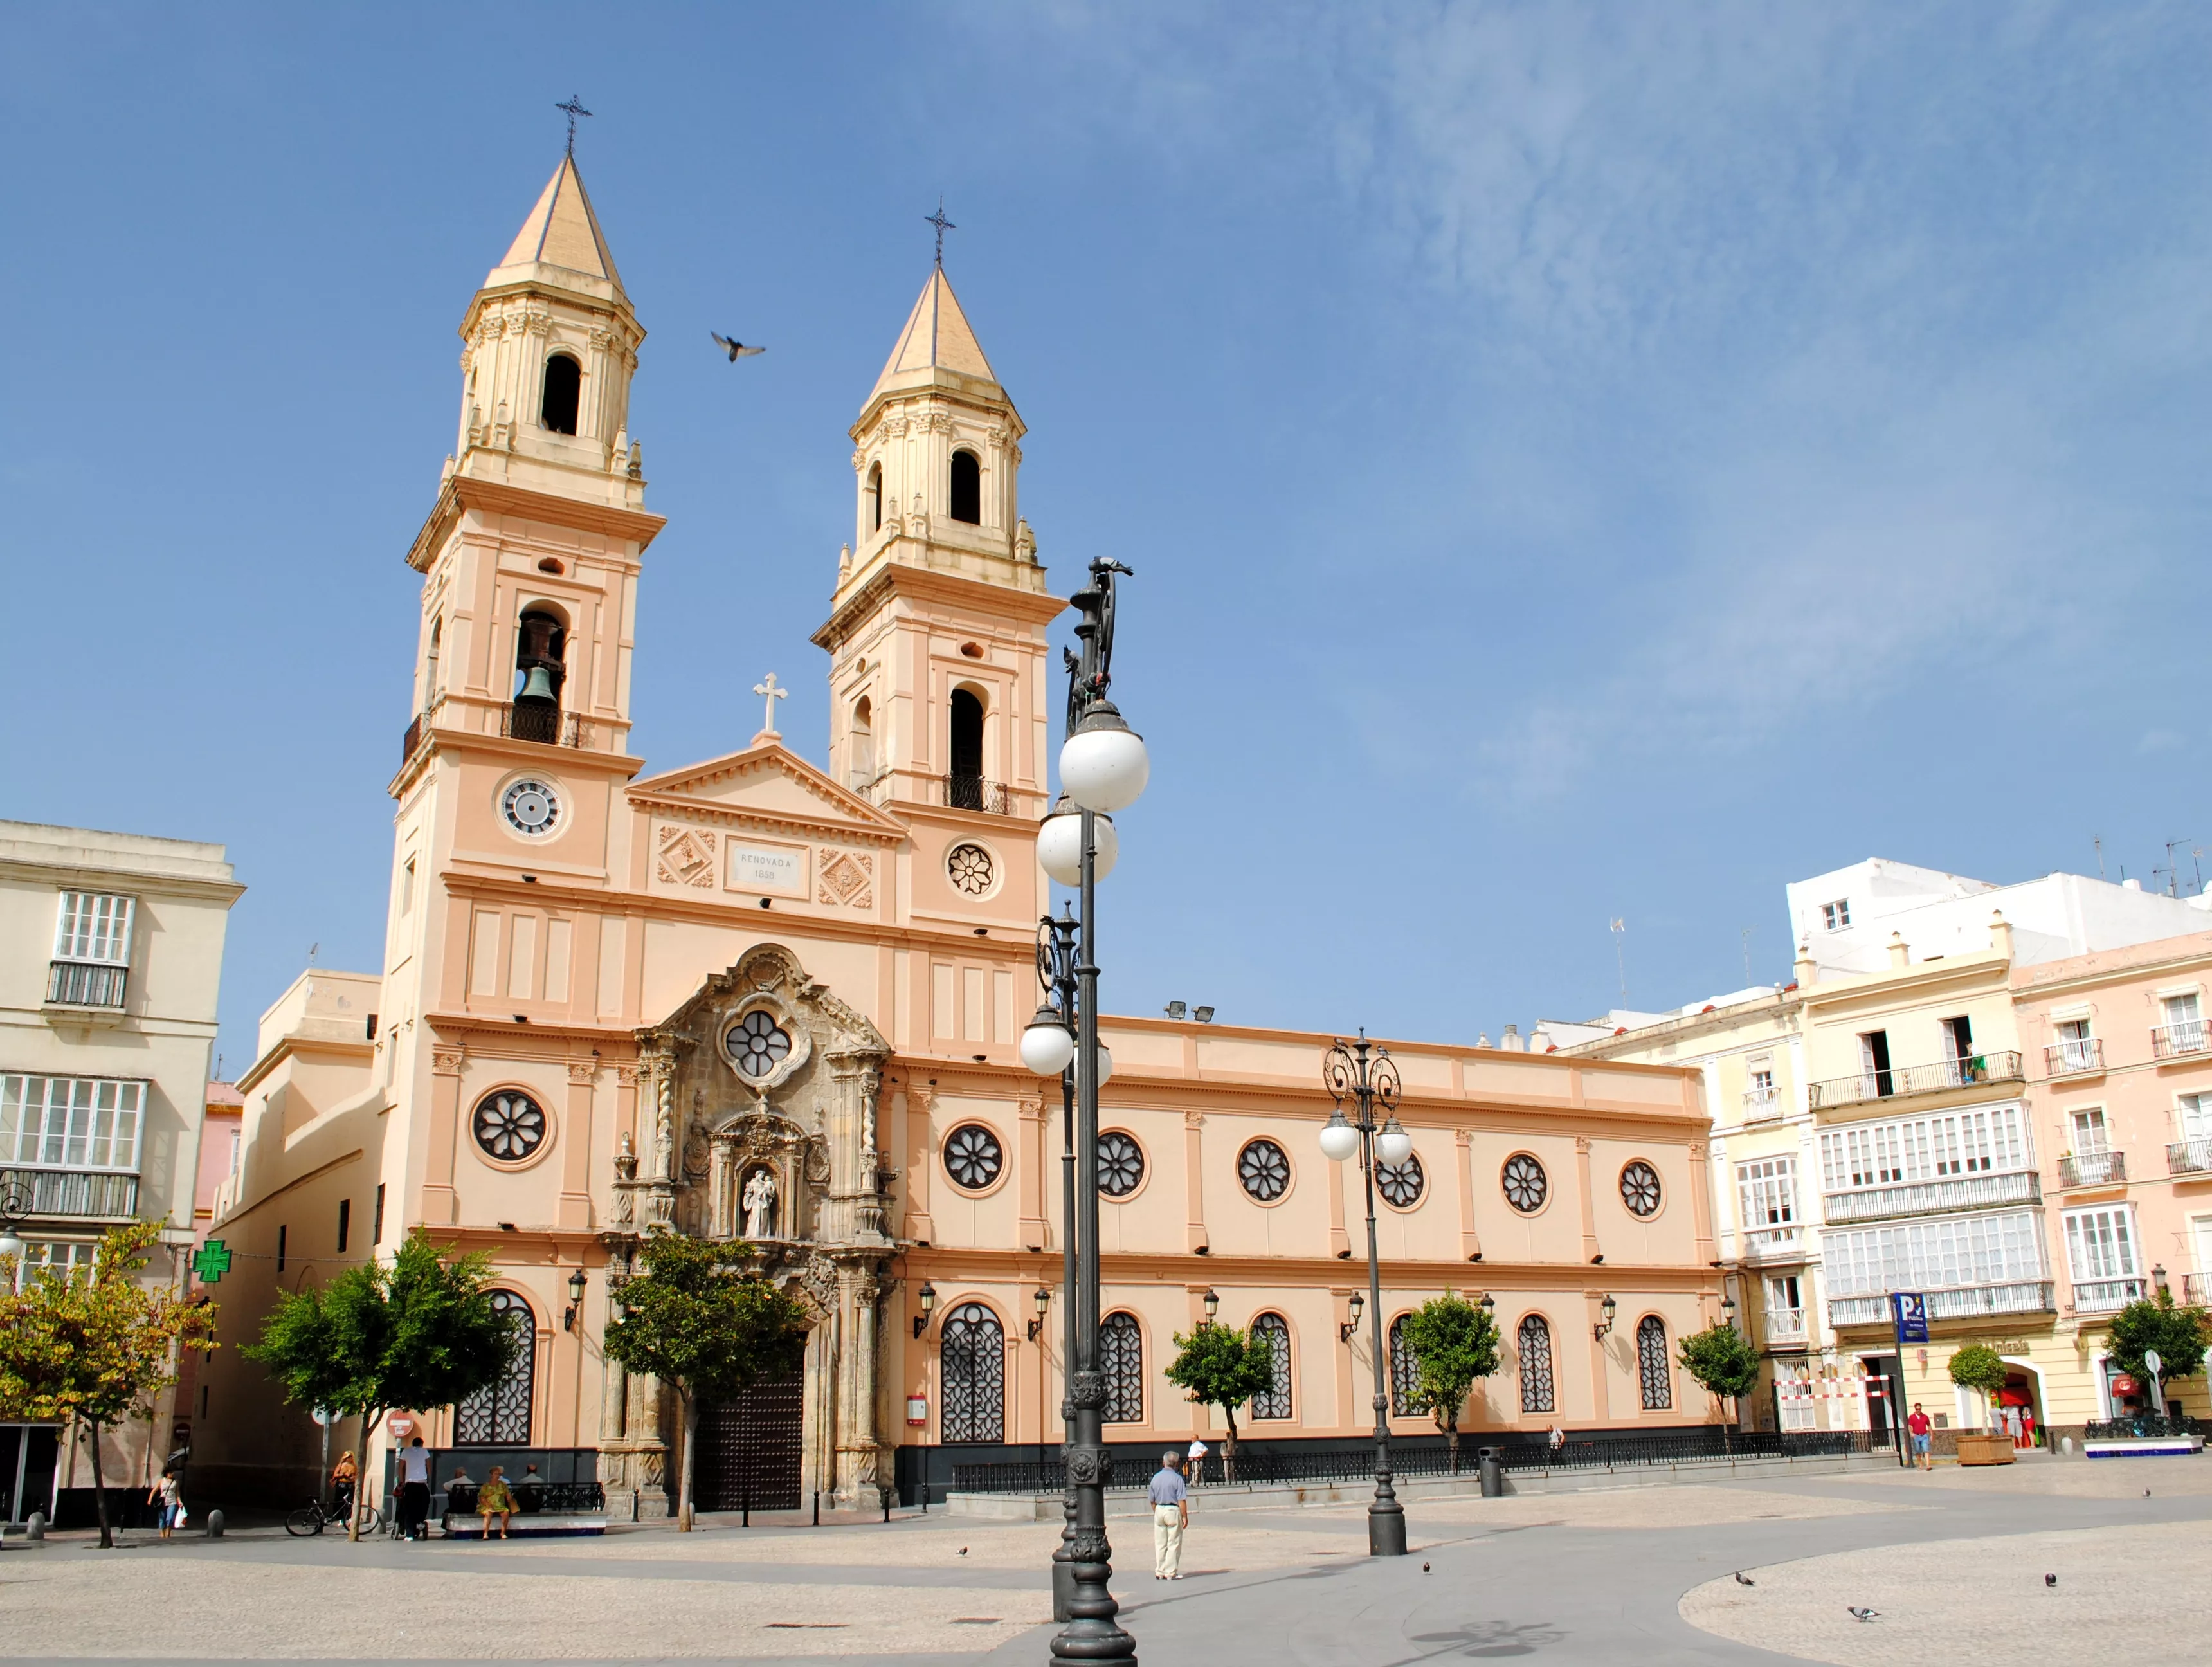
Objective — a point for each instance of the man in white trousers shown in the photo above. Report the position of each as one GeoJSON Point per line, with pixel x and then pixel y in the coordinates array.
{"type": "Point", "coordinates": [1170, 1515]}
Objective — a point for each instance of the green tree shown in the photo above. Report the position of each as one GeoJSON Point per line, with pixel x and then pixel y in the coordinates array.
{"type": "Point", "coordinates": [1977, 1366]}
{"type": "Point", "coordinates": [704, 1329]}
{"type": "Point", "coordinates": [1453, 1342]}
{"type": "Point", "coordinates": [2180, 1332]}
{"type": "Point", "coordinates": [1722, 1358]}
{"type": "Point", "coordinates": [94, 1345]}
{"type": "Point", "coordinates": [1220, 1366]}
{"type": "Point", "coordinates": [416, 1334]}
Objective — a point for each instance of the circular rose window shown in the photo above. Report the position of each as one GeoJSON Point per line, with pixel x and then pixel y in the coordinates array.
{"type": "Point", "coordinates": [1526, 1187]}
{"type": "Point", "coordinates": [509, 1126]}
{"type": "Point", "coordinates": [1401, 1183]}
{"type": "Point", "coordinates": [973, 1156]}
{"type": "Point", "coordinates": [971, 869]}
{"type": "Point", "coordinates": [758, 1044]}
{"type": "Point", "coordinates": [1639, 1188]}
{"type": "Point", "coordinates": [1120, 1165]}
{"type": "Point", "coordinates": [1263, 1169]}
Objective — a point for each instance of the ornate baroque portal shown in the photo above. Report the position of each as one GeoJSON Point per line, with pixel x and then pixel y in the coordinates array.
{"type": "Point", "coordinates": [759, 1102]}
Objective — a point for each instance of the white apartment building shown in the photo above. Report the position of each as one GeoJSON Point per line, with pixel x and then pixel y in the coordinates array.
{"type": "Point", "coordinates": [111, 956]}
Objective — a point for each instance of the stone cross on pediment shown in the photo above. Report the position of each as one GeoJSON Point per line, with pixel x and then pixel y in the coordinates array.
{"type": "Point", "coordinates": [770, 692]}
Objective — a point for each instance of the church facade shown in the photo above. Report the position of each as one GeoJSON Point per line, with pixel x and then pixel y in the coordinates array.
{"type": "Point", "coordinates": [766, 999]}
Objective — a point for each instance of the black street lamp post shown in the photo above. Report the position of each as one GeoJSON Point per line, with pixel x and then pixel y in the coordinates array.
{"type": "Point", "coordinates": [1056, 958]}
{"type": "Point", "coordinates": [1363, 1074]}
{"type": "Point", "coordinates": [1102, 769]}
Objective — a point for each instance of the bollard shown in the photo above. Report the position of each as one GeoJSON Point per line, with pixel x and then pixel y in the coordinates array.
{"type": "Point", "coordinates": [2066, 1443]}
{"type": "Point", "coordinates": [748, 1521]}
{"type": "Point", "coordinates": [817, 1507]}
{"type": "Point", "coordinates": [36, 1528]}
{"type": "Point", "coordinates": [1493, 1478]}
{"type": "Point", "coordinates": [884, 1494]}
{"type": "Point", "coordinates": [214, 1524]}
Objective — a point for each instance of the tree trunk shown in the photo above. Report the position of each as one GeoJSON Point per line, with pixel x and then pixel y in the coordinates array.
{"type": "Point", "coordinates": [690, 1448]}
{"type": "Point", "coordinates": [99, 1491]}
{"type": "Point", "coordinates": [1451, 1442]}
{"type": "Point", "coordinates": [360, 1476]}
{"type": "Point", "coordinates": [1229, 1446]}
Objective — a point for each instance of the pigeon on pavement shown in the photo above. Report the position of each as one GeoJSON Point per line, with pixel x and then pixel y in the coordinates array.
{"type": "Point", "coordinates": [1743, 1579]}
{"type": "Point", "coordinates": [1425, 1568]}
{"type": "Point", "coordinates": [2049, 1579]}
{"type": "Point", "coordinates": [1859, 1614]}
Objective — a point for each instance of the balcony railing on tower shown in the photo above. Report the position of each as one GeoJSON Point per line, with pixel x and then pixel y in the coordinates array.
{"type": "Point", "coordinates": [973, 793]}
{"type": "Point", "coordinates": [547, 725]}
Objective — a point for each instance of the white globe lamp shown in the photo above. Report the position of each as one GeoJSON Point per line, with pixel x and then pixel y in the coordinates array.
{"type": "Point", "coordinates": [1105, 1066]}
{"type": "Point", "coordinates": [1103, 765]}
{"type": "Point", "coordinates": [1393, 1145]}
{"type": "Point", "coordinates": [1047, 1047]}
{"type": "Point", "coordinates": [1059, 844]}
{"type": "Point", "coordinates": [1339, 1139]}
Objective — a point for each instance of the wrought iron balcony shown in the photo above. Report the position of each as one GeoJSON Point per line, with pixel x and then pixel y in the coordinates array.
{"type": "Point", "coordinates": [547, 725]}
{"type": "Point", "coordinates": [2188, 1156]}
{"type": "Point", "coordinates": [1785, 1325]}
{"type": "Point", "coordinates": [88, 1193]}
{"type": "Point", "coordinates": [1780, 1244]}
{"type": "Point", "coordinates": [972, 793]}
{"type": "Point", "coordinates": [2074, 1056]}
{"type": "Point", "coordinates": [2093, 1169]}
{"type": "Point", "coordinates": [1759, 1103]}
{"type": "Point", "coordinates": [1901, 1080]}
{"type": "Point", "coordinates": [2190, 1036]}
{"type": "Point", "coordinates": [1963, 1192]}
{"type": "Point", "coordinates": [2107, 1296]}
{"type": "Point", "coordinates": [2196, 1289]}
{"type": "Point", "coordinates": [1962, 1302]}
{"type": "Point", "coordinates": [85, 984]}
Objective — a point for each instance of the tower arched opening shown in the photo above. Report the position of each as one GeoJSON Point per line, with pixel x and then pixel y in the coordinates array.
{"type": "Point", "coordinates": [564, 388]}
{"type": "Point", "coordinates": [963, 785]}
{"type": "Point", "coordinates": [965, 499]}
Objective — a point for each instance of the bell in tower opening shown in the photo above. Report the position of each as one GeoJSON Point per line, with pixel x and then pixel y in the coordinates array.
{"type": "Point", "coordinates": [540, 642]}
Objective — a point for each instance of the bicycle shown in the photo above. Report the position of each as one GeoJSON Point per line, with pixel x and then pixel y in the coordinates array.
{"type": "Point", "coordinates": [315, 1517]}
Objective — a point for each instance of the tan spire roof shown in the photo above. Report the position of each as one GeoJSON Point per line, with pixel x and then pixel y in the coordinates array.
{"type": "Point", "coordinates": [562, 231]}
{"type": "Point", "coordinates": [937, 336]}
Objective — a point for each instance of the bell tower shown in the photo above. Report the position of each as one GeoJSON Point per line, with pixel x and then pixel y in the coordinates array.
{"type": "Point", "coordinates": [936, 629]}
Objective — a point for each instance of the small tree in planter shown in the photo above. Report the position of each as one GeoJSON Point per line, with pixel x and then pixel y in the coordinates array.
{"type": "Point", "coordinates": [1220, 1366]}
{"type": "Point", "coordinates": [1722, 1358]}
{"type": "Point", "coordinates": [1981, 1368]}
{"type": "Point", "coordinates": [1453, 1342]}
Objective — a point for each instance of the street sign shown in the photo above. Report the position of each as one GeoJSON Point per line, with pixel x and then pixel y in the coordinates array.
{"type": "Point", "coordinates": [212, 1262]}
{"type": "Point", "coordinates": [1910, 1310]}
{"type": "Point", "coordinates": [323, 1416]}
{"type": "Point", "coordinates": [2151, 1359]}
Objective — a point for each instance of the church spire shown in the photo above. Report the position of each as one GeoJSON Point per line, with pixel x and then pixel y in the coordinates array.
{"type": "Point", "coordinates": [562, 232]}
{"type": "Point", "coordinates": [937, 338]}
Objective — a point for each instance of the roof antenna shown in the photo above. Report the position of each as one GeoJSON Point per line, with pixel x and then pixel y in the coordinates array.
{"type": "Point", "coordinates": [2098, 840]}
{"type": "Point", "coordinates": [936, 220]}
{"type": "Point", "coordinates": [575, 107]}
{"type": "Point", "coordinates": [1620, 957]}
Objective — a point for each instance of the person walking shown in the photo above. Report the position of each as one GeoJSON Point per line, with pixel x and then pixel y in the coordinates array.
{"type": "Point", "coordinates": [171, 1498]}
{"type": "Point", "coordinates": [1918, 1426]}
{"type": "Point", "coordinates": [345, 1476]}
{"type": "Point", "coordinates": [495, 1499]}
{"type": "Point", "coordinates": [1170, 1515]}
{"type": "Point", "coordinates": [414, 1490]}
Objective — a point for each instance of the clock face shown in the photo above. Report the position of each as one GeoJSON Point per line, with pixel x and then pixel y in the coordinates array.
{"type": "Point", "coordinates": [531, 808]}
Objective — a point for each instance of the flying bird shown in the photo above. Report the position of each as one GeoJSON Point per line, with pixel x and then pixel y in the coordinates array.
{"type": "Point", "coordinates": [736, 350]}
{"type": "Point", "coordinates": [2049, 1579]}
{"type": "Point", "coordinates": [1743, 1579]}
{"type": "Point", "coordinates": [1858, 1613]}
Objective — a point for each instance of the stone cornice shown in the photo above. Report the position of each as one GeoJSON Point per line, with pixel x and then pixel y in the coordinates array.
{"type": "Point", "coordinates": [462, 492]}
{"type": "Point", "coordinates": [898, 579]}
{"type": "Point", "coordinates": [133, 881]}
{"type": "Point", "coordinates": [1137, 1267]}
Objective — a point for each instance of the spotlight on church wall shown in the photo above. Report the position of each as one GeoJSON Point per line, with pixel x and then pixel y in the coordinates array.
{"type": "Point", "coordinates": [1176, 1009]}
{"type": "Point", "coordinates": [1204, 1015]}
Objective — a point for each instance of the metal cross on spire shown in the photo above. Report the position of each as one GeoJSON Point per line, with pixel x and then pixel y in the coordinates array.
{"type": "Point", "coordinates": [575, 107]}
{"type": "Point", "coordinates": [943, 225]}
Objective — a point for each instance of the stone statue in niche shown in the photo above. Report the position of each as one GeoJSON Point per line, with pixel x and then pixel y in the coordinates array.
{"type": "Point", "coordinates": [759, 1201]}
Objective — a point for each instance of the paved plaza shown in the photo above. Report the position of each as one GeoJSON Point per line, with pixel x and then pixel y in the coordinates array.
{"type": "Point", "coordinates": [1954, 1563]}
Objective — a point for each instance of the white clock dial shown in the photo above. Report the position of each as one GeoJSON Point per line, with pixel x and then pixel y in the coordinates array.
{"type": "Point", "coordinates": [531, 808]}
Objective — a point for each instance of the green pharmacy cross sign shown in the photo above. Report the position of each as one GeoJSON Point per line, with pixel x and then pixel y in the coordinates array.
{"type": "Point", "coordinates": [213, 1261]}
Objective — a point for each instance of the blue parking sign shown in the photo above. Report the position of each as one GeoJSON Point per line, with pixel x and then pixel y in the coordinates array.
{"type": "Point", "coordinates": [1909, 1308]}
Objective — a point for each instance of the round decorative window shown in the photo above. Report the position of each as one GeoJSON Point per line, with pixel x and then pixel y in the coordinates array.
{"type": "Point", "coordinates": [757, 1044]}
{"type": "Point", "coordinates": [972, 869]}
{"type": "Point", "coordinates": [1120, 1164]}
{"type": "Point", "coordinates": [1264, 1170]}
{"type": "Point", "coordinates": [531, 808]}
{"type": "Point", "coordinates": [1526, 1187]}
{"type": "Point", "coordinates": [509, 1126]}
{"type": "Point", "coordinates": [1401, 1183]}
{"type": "Point", "coordinates": [1639, 1188]}
{"type": "Point", "coordinates": [973, 1156]}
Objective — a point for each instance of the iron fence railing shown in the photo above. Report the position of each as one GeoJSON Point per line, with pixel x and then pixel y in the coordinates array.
{"type": "Point", "coordinates": [2188, 1036]}
{"type": "Point", "coordinates": [531, 1498]}
{"type": "Point", "coordinates": [73, 1192]}
{"type": "Point", "coordinates": [2197, 1288]}
{"type": "Point", "coordinates": [2106, 1296]}
{"type": "Point", "coordinates": [2093, 1169]}
{"type": "Point", "coordinates": [2062, 1059]}
{"type": "Point", "coordinates": [973, 793]}
{"type": "Point", "coordinates": [1919, 1079]}
{"type": "Point", "coordinates": [1964, 1192]}
{"type": "Point", "coordinates": [2188, 1156]}
{"type": "Point", "coordinates": [547, 725]}
{"type": "Point", "coordinates": [1266, 1466]}
{"type": "Point", "coordinates": [2149, 1425]}
{"type": "Point", "coordinates": [86, 984]}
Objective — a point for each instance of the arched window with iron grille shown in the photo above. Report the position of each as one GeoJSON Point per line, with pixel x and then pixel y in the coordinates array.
{"type": "Point", "coordinates": [1122, 1363]}
{"type": "Point", "coordinates": [1274, 1401]}
{"type": "Point", "coordinates": [1652, 1366]}
{"type": "Point", "coordinates": [972, 1356]}
{"type": "Point", "coordinates": [1405, 1369]}
{"type": "Point", "coordinates": [1536, 1341]}
{"type": "Point", "coordinates": [498, 1414]}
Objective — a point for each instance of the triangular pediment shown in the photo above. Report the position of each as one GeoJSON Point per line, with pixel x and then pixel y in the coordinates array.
{"type": "Point", "coordinates": [766, 783]}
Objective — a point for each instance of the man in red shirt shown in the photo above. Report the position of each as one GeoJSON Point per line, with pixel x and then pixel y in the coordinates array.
{"type": "Point", "coordinates": [1917, 1424]}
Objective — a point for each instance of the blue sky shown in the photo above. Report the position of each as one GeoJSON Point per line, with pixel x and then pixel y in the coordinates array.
{"type": "Point", "coordinates": [1578, 461]}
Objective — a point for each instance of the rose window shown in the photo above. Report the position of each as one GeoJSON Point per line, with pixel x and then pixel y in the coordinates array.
{"type": "Point", "coordinates": [1401, 1183]}
{"type": "Point", "coordinates": [973, 1156]}
{"type": "Point", "coordinates": [1526, 1187]}
{"type": "Point", "coordinates": [971, 869]}
{"type": "Point", "coordinates": [1264, 1169]}
{"type": "Point", "coordinates": [757, 1044]}
{"type": "Point", "coordinates": [1639, 1188]}
{"type": "Point", "coordinates": [1120, 1165]}
{"type": "Point", "coordinates": [509, 1126]}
